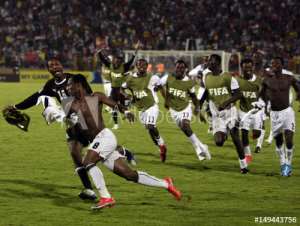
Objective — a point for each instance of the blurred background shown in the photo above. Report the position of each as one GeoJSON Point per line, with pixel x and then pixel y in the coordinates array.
{"type": "Point", "coordinates": [32, 30]}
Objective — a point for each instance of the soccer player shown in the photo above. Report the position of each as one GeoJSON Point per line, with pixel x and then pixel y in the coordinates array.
{"type": "Point", "coordinates": [250, 86]}
{"type": "Point", "coordinates": [105, 73]}
{"type": "Point", "coordinates": [142, 84]}
{"type": "Point", "coordinates": [276, 88]}
{"type": "Point", "coordinates": [117, 69]}
{"type": "Point", "coordinates": [179, 91]}
{"type": "Point", "coordinates": [222, 91]}
{"type": "Point", "coordinates": [56, 87]}
{"type": "Point", "coordinates": [87, 107]}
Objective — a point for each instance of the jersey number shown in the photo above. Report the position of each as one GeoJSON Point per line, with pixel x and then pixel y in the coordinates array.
{"type": "Point", "coordinates": [96, 145]}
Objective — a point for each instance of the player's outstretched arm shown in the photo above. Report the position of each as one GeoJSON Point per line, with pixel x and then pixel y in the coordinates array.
{"type": "Point", "coordinates": [28, 102]}
{"type": "Point", "coordinates": [111, 103]}
{"type": "Point", "coordinates": [103, 57]}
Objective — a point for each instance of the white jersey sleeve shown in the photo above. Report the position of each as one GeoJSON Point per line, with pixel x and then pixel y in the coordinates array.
{"type": "Point", "coordinates": [234, 84]}
{"type": "Point", "coordinates": [124, 85]}
{"type": "Point", "coordinates": [195, 71]}
{"type": "Point", "coordinates": [163, 80]}
{"type": "Point", "coordinates": [154, 82]}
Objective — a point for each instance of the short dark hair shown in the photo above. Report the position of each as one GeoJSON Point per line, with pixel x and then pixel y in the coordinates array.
{"type": "Point", "coordinates": [180, 61]}
{"type": "Point", "coordinates": [142, 59]}
{"type": "Point", "coordinates": [79, 78]}
{"type": "Point", "coordinates": [218, 57]}
{"type": "Point", "coordinates": [246, 61]}
{"type": "Point", "coordinates": [279, 58]}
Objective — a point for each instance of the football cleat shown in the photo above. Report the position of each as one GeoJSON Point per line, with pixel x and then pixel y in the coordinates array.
{"type": "Point", "coordinates": [87, 194]}
{"type": "Point", "coordinates": [172, 189]}
{"type": "Point", "coordinates": [286, 170]}
{"type": "Point", "coordinates": [163, 152]}
{"type": "Point", "coordinates": [257, 150]}
{"type": "Point", "coordinates": [104, 203]}
{"type": "Point", "coordinates": [244, 170]}
{"type": "Point", "coordinates": [204, 149]}
{"type": "Point", "coordinates": [248, 158]}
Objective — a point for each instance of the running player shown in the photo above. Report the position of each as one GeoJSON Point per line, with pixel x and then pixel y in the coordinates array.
{"type": "Point", "coordinates": [179, 91]}
{"type": "Point", "coordinates": [222, 90]}
{"type": "Point", "coordinates": [276, 88]}
{"type": "Point", "coordinates": [102, 142]}
{"type": "Point", "coordinates": [56, 87]}
{"type": "Point", "coordinates": [250, 86]}
{"type": "Point", "coordinates": [142, 84]}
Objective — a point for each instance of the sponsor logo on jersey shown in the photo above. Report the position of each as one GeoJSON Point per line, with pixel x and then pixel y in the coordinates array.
{"type": "Point", "coordinates": [218, 91]}
{"type": "Point", "coordinates": [249, 94]}
{"type": "Point", "coordinates": [116, 75]}
{"type": "Point", "coordinates": [140, 94]}
{"type": "Point", "coordinates": [177, 92]}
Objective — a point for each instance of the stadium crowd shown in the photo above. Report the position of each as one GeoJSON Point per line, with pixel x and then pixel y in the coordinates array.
{"type": "Point", "coordinates": [30, 30]}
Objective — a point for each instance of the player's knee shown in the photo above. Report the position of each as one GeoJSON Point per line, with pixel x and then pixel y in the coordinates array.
{"type": "Point", "coordinates": [256, 134]}
{"type": "Point", "coordinates": [219, 141]}
{"type": "Point", "coordinates": [289, 144]}
{"type": "Point", "coordinates": [89, 166]}
{"type": "Point", "coordinates": [150, 127]}
{"type": "Point", "coordinates": [131, 176]}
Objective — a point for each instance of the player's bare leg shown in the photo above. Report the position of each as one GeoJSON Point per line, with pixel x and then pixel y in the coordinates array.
{"type": "Point", "coordinates": [220, 138]}
{"type": "Point", "coordinates": [75, 148]}
{"type": "Point", "coordinates": [234, 132]}
{"type": "Point", "coordinates": [123, 170]}
{"type": "Point", "coordinates": [280, 152]}
{"type": "Point", "coordinates": [90, 161]}
{"type": "Point", "coordinates": [157, 140]}
{"type": "Point", "coordinates": [288, 135]}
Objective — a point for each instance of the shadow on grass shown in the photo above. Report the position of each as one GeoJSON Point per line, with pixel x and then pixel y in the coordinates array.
{"type": "Point", "coordinates": [59, 194]}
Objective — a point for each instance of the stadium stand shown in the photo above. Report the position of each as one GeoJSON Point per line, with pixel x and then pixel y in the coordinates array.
{"type": "Point", "coordinates": [30, 30]}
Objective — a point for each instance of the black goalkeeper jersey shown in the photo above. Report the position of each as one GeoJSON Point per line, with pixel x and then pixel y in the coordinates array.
{"type": "Point", "coordinates": [52, 88]}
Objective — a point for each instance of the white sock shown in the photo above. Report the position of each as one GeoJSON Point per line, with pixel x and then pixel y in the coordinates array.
{"type": "Point", "coordinates": [243, 163]}
{"type": "Point", "coordinates": [281, 154]}
{"type": "Point", "coordinates": [260, 140]}
{"type": "Point", "coordinates": [247, 150]}
{"type": "Point", "coordinates": [270, 138]}
{"type": "Point", "coordinates": [195, 141]}
{"type": "Point", "coordinates": [289, 155]}
{"type": "Point", "coordinates": [160, 141]}
{"type": "Point", "coordinates": [99, 182]}
{"type": "Point", "coordinates": [146, 179]}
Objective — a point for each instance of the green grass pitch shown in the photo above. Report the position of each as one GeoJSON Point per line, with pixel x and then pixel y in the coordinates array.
{"type": "Point", "coordinates": [38, 186]}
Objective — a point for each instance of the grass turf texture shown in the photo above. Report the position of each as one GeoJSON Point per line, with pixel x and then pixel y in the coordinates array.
{"type": "Point", "coordinates": [38, 185]}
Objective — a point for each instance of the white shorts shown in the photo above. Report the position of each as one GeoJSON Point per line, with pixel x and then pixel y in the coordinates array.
{"type": "Point", "coordinates": [224, 120]}
{"type": "Point", "coordinates": [105, 143]}
{"type": "Point", "coordinates": [178, 116]}
{"type": "Point", "coordinates": [254, 121]}
{"type": "Point", "coordinates": [107, 88]}
{"type": "Point", "coordinates": [282, 120]}
{"type": "Point", "coordinates": [149, 117]}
